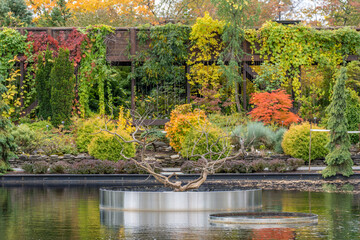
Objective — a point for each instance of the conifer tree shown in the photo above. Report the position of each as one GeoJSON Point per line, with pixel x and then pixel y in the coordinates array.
{"type": "Point", "coordinates": [62, 88]}
{"type": "Point", "coordinates": [339, 158]}
{"type": "Point", "coordinates": [43, 86]}
{"type": "Point", "coordinates": [7, 143]}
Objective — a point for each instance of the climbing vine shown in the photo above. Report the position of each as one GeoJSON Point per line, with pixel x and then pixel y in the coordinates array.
{"type": "Point", "coordinates": [162, 75]}
{"type": "Point", "coordinates": [206, 46]}
{"type": "Point", "coordinates": [95, 71]}
{"type": "Point", "coordinates": [287, 49]}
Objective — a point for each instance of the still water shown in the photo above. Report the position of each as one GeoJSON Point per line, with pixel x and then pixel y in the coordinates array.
{"type": "Point", "coordinates": [73, 213]}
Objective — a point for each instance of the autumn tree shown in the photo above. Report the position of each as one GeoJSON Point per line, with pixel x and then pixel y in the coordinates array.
{"type": "Point", "coordinates": [274, 107]}
{"type": "Point", "coordinates": [58, 16]}
{"type": "Point", "coordinates": [14, 13]}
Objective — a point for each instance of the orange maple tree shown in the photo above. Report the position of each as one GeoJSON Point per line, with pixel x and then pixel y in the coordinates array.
{"type": "Point", "coordinates": [273, 108]}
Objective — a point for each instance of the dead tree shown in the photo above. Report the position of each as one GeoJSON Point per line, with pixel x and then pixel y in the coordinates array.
{"type": "Point", "coordinates": [207, 162]}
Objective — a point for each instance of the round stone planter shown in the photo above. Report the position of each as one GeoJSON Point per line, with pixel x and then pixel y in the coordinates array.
{"type": "Point", "coordinates": [115, 198]}
{"type": "Point", "coordinates": [263, 219]}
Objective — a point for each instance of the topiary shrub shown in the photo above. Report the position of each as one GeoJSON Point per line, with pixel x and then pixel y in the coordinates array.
{"type": "Point", "coordinates": [85, 130]}
{"type": "Point", "coordinates": [183, 120]}
{"type": "Point", "coordinates": [210, 139]}
{"type": "Point", "coordinates": [294, 163]}
{"type": "Point", "coordinates": [60, 167]}
{"type": "Point", "coordinates": [277, 165]}
{"type": "Point", "coordinates": [106, 146]}
{"type": "Point", "coordinates": [296, 142]}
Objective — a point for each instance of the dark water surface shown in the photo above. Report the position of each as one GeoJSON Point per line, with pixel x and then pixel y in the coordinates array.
{"type": "Point", "coordinates": [73, 213]}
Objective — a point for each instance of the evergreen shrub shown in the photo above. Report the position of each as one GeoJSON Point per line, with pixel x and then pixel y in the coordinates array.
{"type": "Point", "coordinates": [277, 165]}
{"type": "Point", "coordinates": [296, 142]}
{"type": "Point", "coordinates": [106, 146]}
{"type": "Point", "coordinates": [62, 88]}
{"type": "Point", "coordinates": [199, 141]}
{"type": "Point", "coordinates": [86, 129]}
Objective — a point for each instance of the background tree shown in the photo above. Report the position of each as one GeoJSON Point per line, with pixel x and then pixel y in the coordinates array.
{"type": "Point", "coordinates": [43, 85]}
{"type": "Point", "coordinates": [58, 16]}
{"type": "Point", "coordinates": [62, 88]}
{"type": "Point", "coordinates": [14, 13]}
{"type": "Point", "coordinates": [339, 159]}
{"type": "Point", "coordinates": [233, 13]}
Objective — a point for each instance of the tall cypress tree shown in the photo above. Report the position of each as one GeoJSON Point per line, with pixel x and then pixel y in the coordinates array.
{"type": "Point", "coordinates": [43, 86]}
{"type": "Point", "coordinates": [62, 88]}
{"type": "Point", "coordinates": [339, 158]}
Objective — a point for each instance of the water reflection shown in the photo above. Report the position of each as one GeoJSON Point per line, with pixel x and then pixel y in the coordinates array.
{"type": "Point", "coordinates": [73, 213]}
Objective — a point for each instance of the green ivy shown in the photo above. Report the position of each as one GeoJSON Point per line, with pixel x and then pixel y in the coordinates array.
{"type": "Point", "coordinates": [95, 71]}
{"type": "Point", "coordinates": [161, 67]}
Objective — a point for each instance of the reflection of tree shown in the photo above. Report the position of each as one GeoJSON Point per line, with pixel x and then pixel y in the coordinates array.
{"type": "Point", "coordinates": [273, 233]}
{"type": "Point", "coordinates": [43, 213]}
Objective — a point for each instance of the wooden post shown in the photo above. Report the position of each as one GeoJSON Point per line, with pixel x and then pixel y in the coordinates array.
{"type": "Point", "coordinates": [188, 94]}
{"type": "Point", "coordinates": [310, 148]}
{"type": "Point", "coordinates": [132, 53]}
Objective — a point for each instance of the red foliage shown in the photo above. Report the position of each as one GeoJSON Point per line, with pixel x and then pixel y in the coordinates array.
{"type": "Point", "coordinates": [273, 108]}
{"type": "Point", "coordinates": [38, 42]}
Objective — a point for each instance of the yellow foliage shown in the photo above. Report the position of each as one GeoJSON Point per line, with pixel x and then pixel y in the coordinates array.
{"type": "Point", "coordinates": [124, 121]}
{"type": "Point", "coordinates": [10, 97]}
{"type": "Point", "coordinates": [182, 120]}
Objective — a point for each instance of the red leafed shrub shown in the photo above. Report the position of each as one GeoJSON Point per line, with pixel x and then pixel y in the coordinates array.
{"type": "Point", "coordinates": [273, 108]}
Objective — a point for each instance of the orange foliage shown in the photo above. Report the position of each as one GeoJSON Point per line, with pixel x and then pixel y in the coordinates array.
{"type": "Point", "coordinates": [136, 8]}
{"type": "Point", "coordinates": [182, 120]}
{"type": "Point", "coordinates": [273, 108]}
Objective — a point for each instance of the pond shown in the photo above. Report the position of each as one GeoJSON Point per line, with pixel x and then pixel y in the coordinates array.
{"type": "Point", "coordinates": [73, 213]}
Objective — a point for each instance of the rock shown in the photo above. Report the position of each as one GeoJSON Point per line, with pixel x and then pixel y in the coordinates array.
{"type": "Point", "coordinates": [68, 156]}
{"type": "Point", "coordinates": [160, 156]}
{"type": "Point", "coordinates": [174, 156]}
{"type": "Point", "coordinates": [150, 158]}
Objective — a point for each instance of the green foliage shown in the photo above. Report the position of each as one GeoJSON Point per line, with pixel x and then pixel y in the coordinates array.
{"type": "Point", "coordinates": [43, 85]}
{"type": "Point", "coordinates": [7, 143]}
{"type": "Point", "coordinates": [287, 48]}
{"type": "Point", "coordinates": [339, 158]}
{"type": "Point", "coordinates": [40, 167]}
{"type": "Point", "coordinates": [106, 146]}
{"type": "Point", "coordinates": [4, 167]}
{"type": "Point", "coordinates": [353, 72]}
{"type": "Point", "coordinates": [160, 68]}
{"type": "Point", "coordinates": [227, 122]}
{"type": "Point", "coordinates": [24, 138]}
{"type": "Point", "coordinates": [95, 72]}
{"type": "Point", "coordinates": [352, 114]}
{"type": "Point", "coordinates": [58, 17]}
{"type": "Point", "coordinates": [278, 138]}
{"type": "Point", "coordinates": [12, 44]}
{"type": "Point", "coordinates": [62, 88]}
{"type": "Point", "coordinates": [209, 141]}
{"type": "Point", "coordinates": [40, 125]}
{"type": "Point", "coordinates": [86, 129]}
{"type": "Point", "coordinates": [255, 135]}
{"type": "Point", "coordinates": [296, 142]}
{"type": "Point", "coordinates": [14, 13]}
